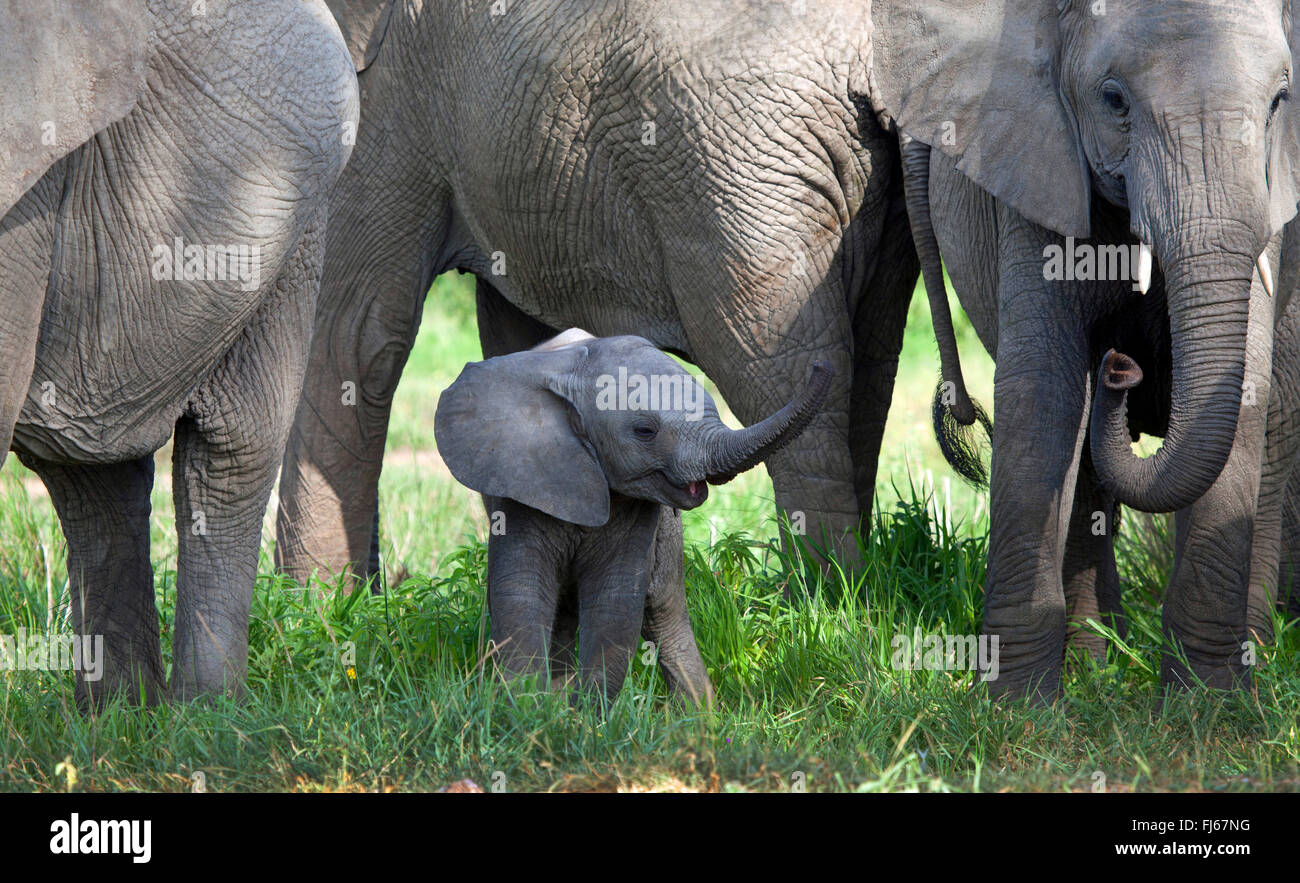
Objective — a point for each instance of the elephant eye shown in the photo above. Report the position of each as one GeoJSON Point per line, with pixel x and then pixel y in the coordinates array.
{"type": "Point", "coordinates": [644, 431]}
{"type": "Point", "coordinates": [1283, 94]}
{"type": "Point", "coordinates": [1114, 98]}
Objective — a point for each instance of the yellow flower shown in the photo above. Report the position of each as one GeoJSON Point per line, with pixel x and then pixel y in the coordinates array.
{"type": "Point", "coordinates": [69, 771]}
{"type": "Point", "coordinates": [352, 673]}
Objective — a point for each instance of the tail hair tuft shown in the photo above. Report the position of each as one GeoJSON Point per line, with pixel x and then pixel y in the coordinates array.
{"type": "Point", "coordinates": [962, 445]}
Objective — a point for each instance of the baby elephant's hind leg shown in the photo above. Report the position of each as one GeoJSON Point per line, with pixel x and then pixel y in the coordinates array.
{"type": "Point", "coordinates": [667, 622]}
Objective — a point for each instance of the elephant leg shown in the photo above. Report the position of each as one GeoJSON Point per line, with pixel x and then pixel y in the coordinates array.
{"type": "Point", "coordinates": [1040, 401]}
{"type": "Point", "coordinates": [1270, 576]}
{"type": "Point", "coordinates": [878, 327]}
{"type": "Point", "coordinates": [225, 453]}
{"type": "Point", "coordinates": [384, 247]}
{"type": "Point", "coordinates": [523, 581]}
{"type": "Point", "coordinates": [812, 477]}
{"type": "Point", "coordinates": [1288, 583]}
{"type": "Point", "coordinates": [609, 615]}
{"type": "Point", "coordinates": [667, 623]}
{"type": "Point", "coordinates": [1089, 575]}
{"type": "Point", "coordinates": [503, 328]}
{"type": "Point", "coordinates": [613, 572]}
{"type": "Point", "coordinates": [329, 485]}
{"type": "Point", "coordinates": [1205, 608]}
{"type": "Point", "coordinates": [104, 511]}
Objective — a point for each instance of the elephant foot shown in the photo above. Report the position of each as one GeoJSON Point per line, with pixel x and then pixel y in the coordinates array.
{"type": "Point", "coordinates": [1259, 628]}
{"type": "Point", "coordinates": [1024, 660]}
{"type": "Point", "coordinates": [829, 555]}
{"type": "Point", "coordinates": [1039, 686]}
{"type": "Point", "coordinates": [1081, 640]}
{"type": "Point", "coordinates": [1035, 676]}
{"type": "Point", "coordinates": [139, 685]}
{"type": "Point", "coordinates": [527, 672]}
{"type": "Point", "coordinates": [205, 686]}
{"type": "Point", "coordinates": [1218, 674]}
{"type": "Point", "coordinates": [1082, 644]}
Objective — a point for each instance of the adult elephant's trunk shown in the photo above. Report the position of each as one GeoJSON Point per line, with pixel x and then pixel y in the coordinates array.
{"type": "Point", "coordinates": [1208, 293]}
{"type": "Point", "coordinates": [1197, 193]}
{"type": "Point", "coordinates": [735, 450]}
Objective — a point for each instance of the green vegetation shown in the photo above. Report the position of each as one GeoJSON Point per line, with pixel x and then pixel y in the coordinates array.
{"type": "Point", "coordinates": [394, 692]}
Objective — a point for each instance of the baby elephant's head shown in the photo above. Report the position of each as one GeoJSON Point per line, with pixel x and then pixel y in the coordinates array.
{"type": "Point", "coordinates": [561, 425]}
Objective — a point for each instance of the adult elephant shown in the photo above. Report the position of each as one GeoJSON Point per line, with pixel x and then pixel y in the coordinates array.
{"type": "Point", "coordinates": [707, 174]}
{"type": "Point", "coordinates": [162, 214]}
{"type": "Point", "coordinates": [1075, 125]}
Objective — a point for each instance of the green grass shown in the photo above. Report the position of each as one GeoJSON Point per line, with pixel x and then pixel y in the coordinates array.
{"type": "Point", "coordinates": [362, 692]}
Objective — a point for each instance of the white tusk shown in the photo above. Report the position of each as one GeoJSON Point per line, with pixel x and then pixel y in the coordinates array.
{"type": "Point", "coordinates": [1144, 269]}
{"type": "Point", "coordinates": [1265, 274]}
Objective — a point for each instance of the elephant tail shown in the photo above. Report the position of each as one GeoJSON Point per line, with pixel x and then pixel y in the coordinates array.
{"type": "Point", "coordinates": [961, 444]}
{"type": "Point", "coordinates": [958, 419]}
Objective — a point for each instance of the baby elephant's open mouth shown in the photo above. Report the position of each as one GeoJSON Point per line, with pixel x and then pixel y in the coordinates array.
{"type": "Point", "coordinates": [689, 495]}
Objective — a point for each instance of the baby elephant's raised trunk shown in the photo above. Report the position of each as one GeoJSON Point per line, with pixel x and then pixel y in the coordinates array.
{"type": "Point", "coordinates": [736, 450]}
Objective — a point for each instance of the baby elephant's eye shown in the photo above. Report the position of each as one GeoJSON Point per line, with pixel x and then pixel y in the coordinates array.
{"type": "Point", "coordinates": [644, 431]}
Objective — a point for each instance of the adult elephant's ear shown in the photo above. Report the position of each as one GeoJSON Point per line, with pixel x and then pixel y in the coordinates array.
{"type": "Point", "coordinates": [1284, 148]}
{"type": "Point", "coordinates": [363, 23]}
{"type": "Point", "coordinates": [977, 80]}
{"type": "Point", "coordinates": [506, 429]}
{"type": "Point", "coordinates": [71, 69]}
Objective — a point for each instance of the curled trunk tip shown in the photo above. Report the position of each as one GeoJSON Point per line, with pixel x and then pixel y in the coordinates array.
{"type": "Point", "coordinates": [742, 449]}
{"type": "Point", "coordinates": [1208, 330]}
{"type": "Point", "coordinates": [1119, 372]}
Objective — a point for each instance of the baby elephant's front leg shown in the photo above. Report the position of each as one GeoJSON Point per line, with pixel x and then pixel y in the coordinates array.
{"type": "Point", "coordinates": [523, 586]}
{"type": "Point", "coordinates": [613, 575]}
{"type": "Point", "coordinates": [667, 623]}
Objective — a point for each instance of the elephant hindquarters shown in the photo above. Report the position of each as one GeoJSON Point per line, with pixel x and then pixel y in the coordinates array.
{"type": "Point", "coordinates": [26, 234]}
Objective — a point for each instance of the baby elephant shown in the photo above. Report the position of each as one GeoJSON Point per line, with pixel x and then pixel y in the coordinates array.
{"type": "Point", "coordinates": [585, 449]}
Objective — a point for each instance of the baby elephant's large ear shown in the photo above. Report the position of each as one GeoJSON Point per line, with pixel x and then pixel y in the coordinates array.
{"type": "Point", "coordinates": [503, 431]}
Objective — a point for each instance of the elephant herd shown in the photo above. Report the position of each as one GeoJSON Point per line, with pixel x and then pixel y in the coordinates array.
{"type": "Point", "coordinates": [219, 221]}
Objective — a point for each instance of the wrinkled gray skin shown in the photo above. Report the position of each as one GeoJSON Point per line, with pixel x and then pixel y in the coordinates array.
{"type": "Point", "coordinates": [1138, 118]}
{"type": "Point", "coordinates": [1275, 553]}
{"type": "Point", "coordinates": [763, 221]}
{"type": "Point", "coordinates": [220, 129]}
{"type": "Point", "coordinates": [584, 495]}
